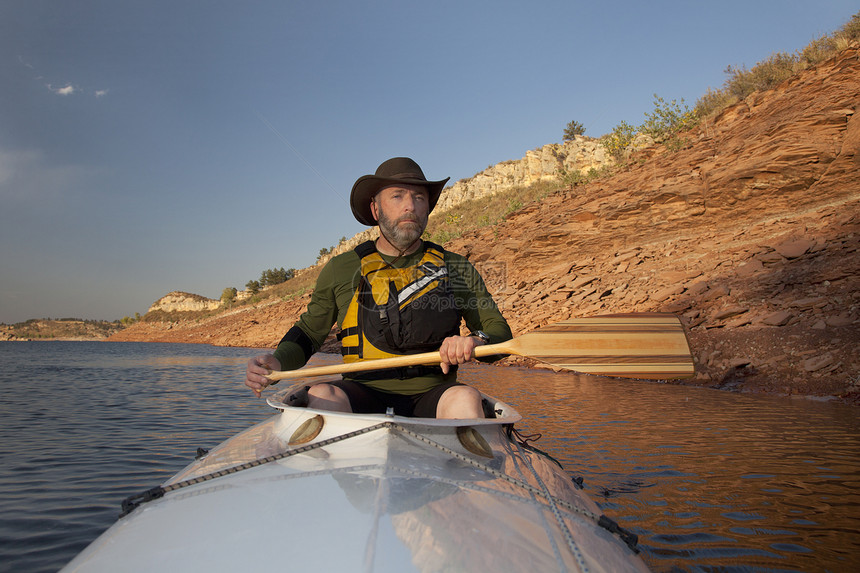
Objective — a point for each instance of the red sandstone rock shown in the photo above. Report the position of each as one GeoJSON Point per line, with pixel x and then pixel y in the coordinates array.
{"type": "Point", "coordinates": [794, 249]}
{"type": "Point", "coordinates": [840, 320]}
{"type": "Point", "coordinates": [818, 362]}
{"type": "Point", "coordinates": [749, 268]}
{"type": "Point", "coordinates": [808, 303]}
{"type": "Point", "coordinates": [667, 292]}
{"type": "Point", "coordinates": [779, 318]}
{"type": "Point", "coordinates": [730, 311]}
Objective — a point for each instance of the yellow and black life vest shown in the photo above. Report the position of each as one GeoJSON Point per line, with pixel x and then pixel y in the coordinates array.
{"type": "Point", "coordinates": [397, 311]}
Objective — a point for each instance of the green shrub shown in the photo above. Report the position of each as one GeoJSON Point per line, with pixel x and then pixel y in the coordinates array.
{"type": "Point", "coordinates": [294, 294]}
{"type": "Point", "coordinates": [741, 82]}
{"type": "Point", "coordinates": [177, 316]}
{"type": "Point", "coordinates": [576, 177]}
{"type": "Point", "coordinates": [271, 277]}
{"type": "Point", "coordinates": [617, 141]}
{"type": "Point", "coordinates": [453, 218]}
{"type": "Point", "coordinates": [851, 30]}
{"type": "Point", "coordinates": [818, 50]}
{"type": "Point", "coordinates": [714, 101]}
{"type": "Point", "coordinates": [442, 236]}
{"type": "Point", "coordinates": [668, 118]}
{"type": "Point", "coordinates": [571, 178]}
{"type": "Point", "coordinates": [600, 172]}
{"type": "Point", "coordinates": [514, 204]}
{"type": "Point", "coordinates": [765, 75]}
{"type": "Point", "coordinates": [573, 129]}
{"type": "Point", "coordinates": [485, 221]}
{"type": "Point", "coordinates": [227, 295]}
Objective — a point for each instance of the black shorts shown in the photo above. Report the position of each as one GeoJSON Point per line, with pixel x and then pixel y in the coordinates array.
{"type": "Point", "coordinates": [366, 400]}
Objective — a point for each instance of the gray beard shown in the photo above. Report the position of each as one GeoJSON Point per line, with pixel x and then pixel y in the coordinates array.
{"type": "Point", "coordinates": [400, 236]}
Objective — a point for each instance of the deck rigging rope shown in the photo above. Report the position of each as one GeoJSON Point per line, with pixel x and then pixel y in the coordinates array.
{"type": "Point", "coordinates": [132, 502]}
{"type": "Point", "coordinates": [574, 548]}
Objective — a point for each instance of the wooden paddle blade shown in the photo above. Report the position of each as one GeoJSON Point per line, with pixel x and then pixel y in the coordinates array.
{"type": "Point", "coordinates": [641, 345]}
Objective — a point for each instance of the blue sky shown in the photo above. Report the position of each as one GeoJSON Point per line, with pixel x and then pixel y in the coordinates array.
{"type": "Point", "coordinates": [189, 145]}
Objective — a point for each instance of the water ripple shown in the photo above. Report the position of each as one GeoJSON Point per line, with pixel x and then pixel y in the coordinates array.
{"type": "Point", "coordinates": [710, 481]}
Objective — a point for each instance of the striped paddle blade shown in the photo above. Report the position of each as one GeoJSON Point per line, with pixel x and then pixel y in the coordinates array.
{"type": "Point", "coordinates": [641, 345]}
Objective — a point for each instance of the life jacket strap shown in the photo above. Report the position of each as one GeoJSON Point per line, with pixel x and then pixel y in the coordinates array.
{"type": "Point", "coordinates": [351, 331]}
{"type": "Point", "coordinates": [402, 373]}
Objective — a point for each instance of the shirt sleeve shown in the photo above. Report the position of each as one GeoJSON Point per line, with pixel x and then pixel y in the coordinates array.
{"type": "Point", "coordinates": [474, 300]}
{"type": "Point", "coordinates": [314, 325]}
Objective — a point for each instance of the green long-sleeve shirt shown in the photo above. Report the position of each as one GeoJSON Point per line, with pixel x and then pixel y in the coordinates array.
{"type": "Point", "coordinates": [338, 282]}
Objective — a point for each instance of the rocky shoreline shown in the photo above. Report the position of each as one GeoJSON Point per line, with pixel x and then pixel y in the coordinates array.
{"type": "Point", "coordinates": [750, 233]}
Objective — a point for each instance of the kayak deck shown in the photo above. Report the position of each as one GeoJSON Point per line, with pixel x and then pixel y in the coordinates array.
{"type": "Point", "coordinates": [317, 490]}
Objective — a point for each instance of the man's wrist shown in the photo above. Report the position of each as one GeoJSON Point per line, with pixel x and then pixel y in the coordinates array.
{"type": "Point", "coordinates": [480, 335]}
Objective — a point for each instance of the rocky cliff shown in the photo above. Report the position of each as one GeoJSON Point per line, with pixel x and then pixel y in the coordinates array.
{"type": "Point", "coordinates": [546, 163]}
{"type": "Point", "coordinates": [750, 233]}
{"type": "Point", "coordinates": [178, 301]}
{"type": "Point", "coordinates": [580, 154]}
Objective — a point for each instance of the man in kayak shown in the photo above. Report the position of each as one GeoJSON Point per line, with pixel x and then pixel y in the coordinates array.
{"type": "Point", "coordinates": [393, 296]}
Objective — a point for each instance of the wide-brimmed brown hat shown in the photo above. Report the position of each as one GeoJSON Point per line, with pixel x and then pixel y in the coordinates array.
{"type": "Point", "coordinates": [396, 170]}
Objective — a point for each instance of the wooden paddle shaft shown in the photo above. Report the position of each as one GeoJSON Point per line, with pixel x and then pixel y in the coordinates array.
{"type": "Point", "coordinates": [423, 359]}
{"type": "Point", "coordinates": [637, 345]}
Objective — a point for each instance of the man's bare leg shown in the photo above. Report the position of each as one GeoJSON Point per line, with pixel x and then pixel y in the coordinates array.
{"type": "Point", "coordinates": [328, 397]}
{"type": "Point", "coordinates": [460, 402]}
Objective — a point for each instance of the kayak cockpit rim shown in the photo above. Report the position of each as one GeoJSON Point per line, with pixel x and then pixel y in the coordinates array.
{"type": "Point", "coordinates": [496, 411]}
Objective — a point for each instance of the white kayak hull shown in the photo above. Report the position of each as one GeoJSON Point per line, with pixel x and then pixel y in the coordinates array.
{"type": "Point", "coordinates": [368, 493]}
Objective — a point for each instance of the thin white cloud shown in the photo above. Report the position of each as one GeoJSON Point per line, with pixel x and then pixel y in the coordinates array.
{"type": "Point", "coordinates": [66, 90]}
{"type": "Point", "coordinates": [23, 63]}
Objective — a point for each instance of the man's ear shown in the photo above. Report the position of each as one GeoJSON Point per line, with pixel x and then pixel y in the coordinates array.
{"type": "Point", "coordinates": [373, 209]}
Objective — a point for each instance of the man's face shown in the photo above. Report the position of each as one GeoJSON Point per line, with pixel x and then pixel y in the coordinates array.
{"type": "Point", "coordinates": [402, 212]}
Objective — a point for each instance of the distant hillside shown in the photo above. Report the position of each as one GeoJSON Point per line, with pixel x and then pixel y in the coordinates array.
{"type": "Point", "coordinates": [65, 329]}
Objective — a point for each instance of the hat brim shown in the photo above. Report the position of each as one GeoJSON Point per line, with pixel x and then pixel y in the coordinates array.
{"type": "Point", "coordinates": [369, 185]}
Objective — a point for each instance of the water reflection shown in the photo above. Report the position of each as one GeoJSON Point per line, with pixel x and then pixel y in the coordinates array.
{"type": "Point", "coordinates": [85, 424]}
{"type": "Point", "coordinates": [707, 479]}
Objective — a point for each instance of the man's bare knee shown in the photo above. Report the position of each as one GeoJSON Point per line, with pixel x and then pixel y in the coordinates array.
{"type": "Point", "coordinates": [461, 402]}
{"type": "Point", "coordinates": [328, 397]}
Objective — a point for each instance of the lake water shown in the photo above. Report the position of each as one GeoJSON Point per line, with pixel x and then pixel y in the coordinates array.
{"type": "Point", "coordinates": [710, 481]}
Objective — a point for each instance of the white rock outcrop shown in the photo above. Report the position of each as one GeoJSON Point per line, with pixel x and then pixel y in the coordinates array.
{"type": "Point", "coordinates": [543, 164]}
{"type": "Point", "coordinates": [178, 301]}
